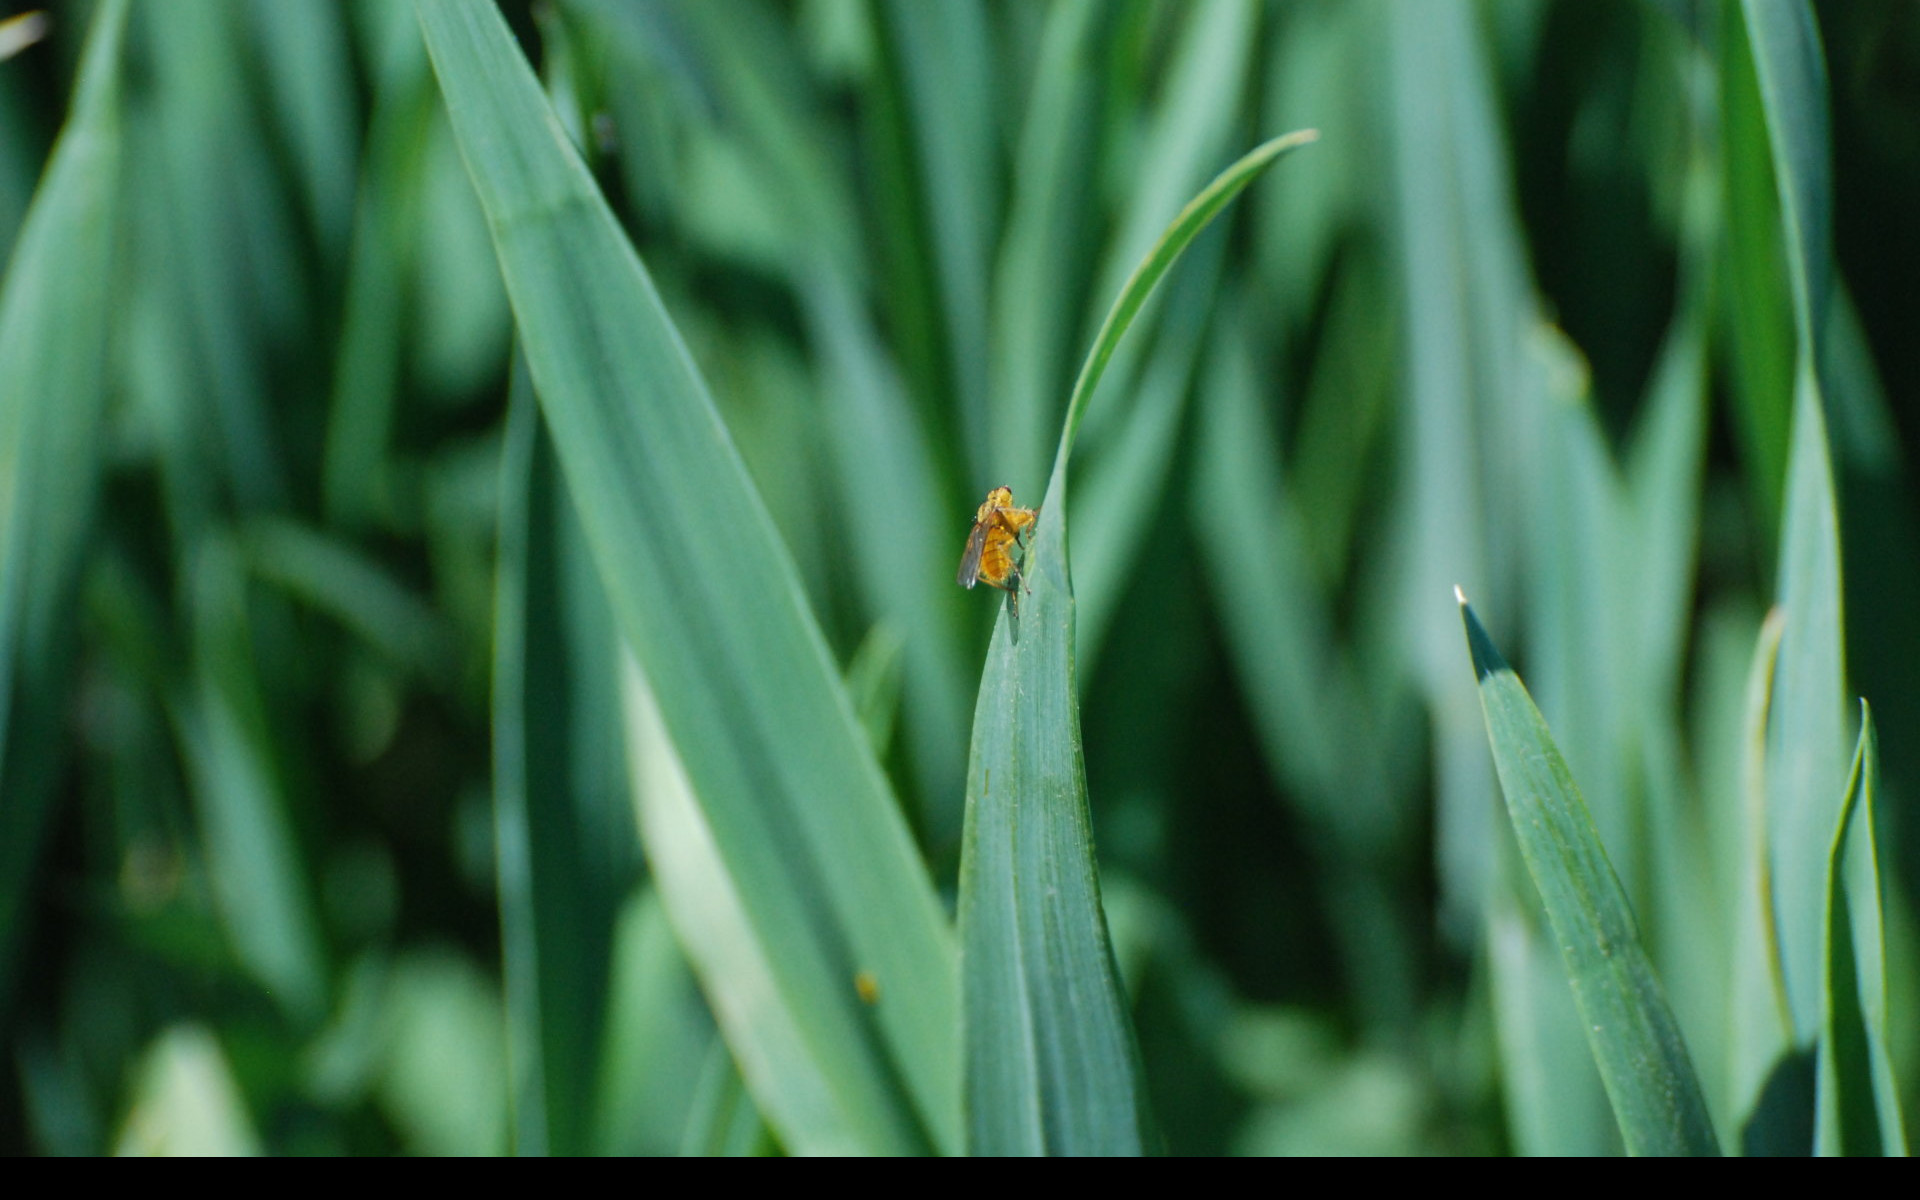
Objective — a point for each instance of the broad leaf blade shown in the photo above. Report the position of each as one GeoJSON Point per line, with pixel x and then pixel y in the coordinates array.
{"type": "Point", "coordinates": [800, 816]}
{"type": "Point", "coordinates": [1052, 1066]}
{"type": "Point", "coordinates": [54, 317]}
{"type": "Point", "coordinates": [1636, 1042]}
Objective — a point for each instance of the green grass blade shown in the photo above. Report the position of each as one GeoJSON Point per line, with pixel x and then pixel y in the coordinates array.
{"type": "Point", "coordinates": [54, 315]}
{"type": "Point", "coordinates": [886, 466]}
{"type": "Point", "coordinates": [708, 905]}
{"type": "Point", "coordinates": [1760, 1027]}
{"type": "Point", "coordinates": [233, 260]}
{"type": "Point", "coordinates": [1793, 90]}
{"type": "Point", "coordinates": [239, 774]}
{"type": "Point", "coordinates": [721, 1122]}
{"type": "Point", "coordinates": [1052, 1066]}
{"type": "Point", "coordinates": [1557, 1105]}
{"type": "Point", "coordinates": [1042, 255]}
{"type": "Point", "coordinates": [1577, 531]}
{"type": "Point", "coordinates": [801, 820]}
{"type": "Point", "coordinates": [1432, 59]}
{"type": "Point", "coordinates": [308, 67]}
{"type": "Point", "coordinates": [1806, 747]}
{"type": "Point", "coordinates": [1139, 285]}
{"type": "Point", "coordinates": [659, 1037]}
{"type": "Point", "coordinates": [888, 471]}
{"type": "Point", "coordinates": [1254, 548]}
{"type": "Point", "coordinates": [1806, 764]}
{"type": "Point", "coordinates": [1756, 301]}
{"type": "Point", "coordinates": [564, 838]}
{"type": "Point", "coordinates": [1858, 1102]}
{"type": "Point", "coordinates": [1124, 486]}
{"type": "Point", "coordinates": [1193, 125]}
{"type": "Point", "coordinates": [1636, 1042]}
{"type": "Point", "coordinates": [943, 53]}
{"type": "Point", "coordinates": [367, 368]}
{"type": "Point", "coordinates": [1664, 471]}
{"type": "Point", "coordinates": [1188, 132]}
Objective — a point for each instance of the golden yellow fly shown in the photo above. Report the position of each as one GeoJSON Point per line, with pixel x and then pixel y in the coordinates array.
{"type": "Point", "coordinates": [997, 529]}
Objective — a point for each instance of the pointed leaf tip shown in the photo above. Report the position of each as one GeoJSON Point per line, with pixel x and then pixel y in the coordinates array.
{"type": "Point", "coordinates": [1486, 657]}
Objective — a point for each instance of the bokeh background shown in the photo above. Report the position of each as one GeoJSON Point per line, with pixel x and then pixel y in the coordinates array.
{"type": "Point", "coordinates": [250, 890]}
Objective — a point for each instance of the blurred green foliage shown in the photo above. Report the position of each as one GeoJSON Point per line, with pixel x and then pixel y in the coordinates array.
{"type": "Point", "coordinates": [318, 832]}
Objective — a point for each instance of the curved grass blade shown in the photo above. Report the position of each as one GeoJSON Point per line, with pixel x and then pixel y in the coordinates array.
{"type": "Point", "coordinates": [54, 313]}
{"type": "Point", "coordinates": [1760, 1028]}
{"type": "Point", "coordinates": [801, 819]}
{"type": "Point", "coordinates": [1858, 1102]}
{"type": "Point", "coordinates": [1195, 217]}
{"type": "Point", "coordinates": [1051, 1063]}
{"type": "Point", "coordinates": [1636, 1042]}
{"type": "Point", "coordinates": [1192, 125]}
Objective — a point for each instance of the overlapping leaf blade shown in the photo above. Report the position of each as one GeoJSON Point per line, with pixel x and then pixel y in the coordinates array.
{"type": "Point", "coordinates": [1830, 948]}
{"type": "Point", "coordinates": [705, 596]}
{"type": "Point", "coordinates": [1806, 744]}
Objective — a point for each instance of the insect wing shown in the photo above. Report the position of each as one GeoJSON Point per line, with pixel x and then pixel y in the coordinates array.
{"type": "Point", "coordinates": [970, 561]}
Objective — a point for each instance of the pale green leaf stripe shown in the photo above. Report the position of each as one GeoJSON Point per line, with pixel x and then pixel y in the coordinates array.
{"type": "Point", "coordinates": [1636, 1042]}
{"type": "Point", "coordinates": [54, 315]}
{"type": "Point", "coordinates": [709, 912]}
{"type": "Point", "coordinates": [800, 816]}
{"type": "Point", "coordinates": [1052, 1067]}
{"type": "Point", "coordinates": [1806, 748]}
